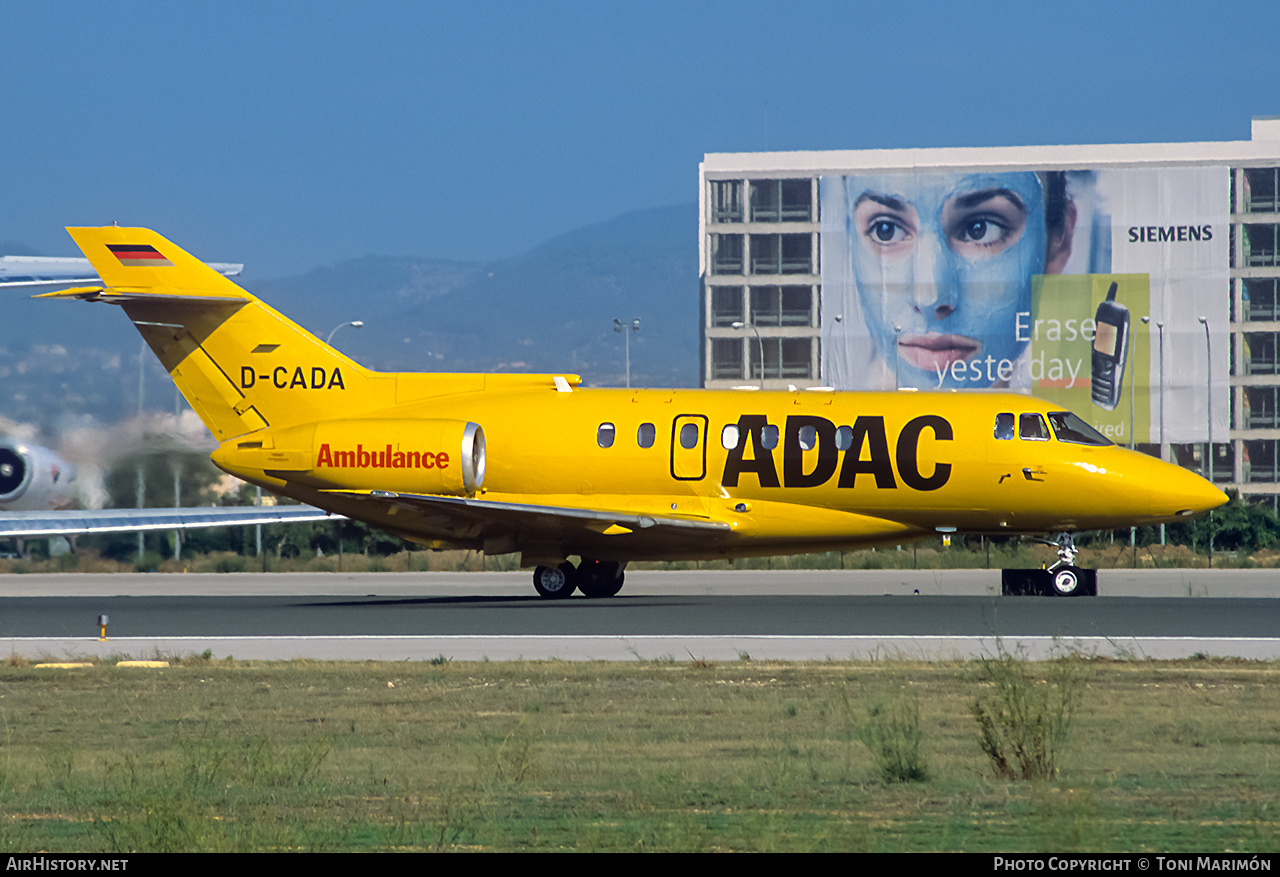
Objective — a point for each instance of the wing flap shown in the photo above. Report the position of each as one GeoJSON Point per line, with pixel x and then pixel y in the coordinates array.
{"type": "Point", "coordinates": [518, 514]}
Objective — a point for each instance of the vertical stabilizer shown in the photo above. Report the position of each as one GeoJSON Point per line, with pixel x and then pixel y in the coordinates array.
{"type": "Point", "coordinates": [240, 364]}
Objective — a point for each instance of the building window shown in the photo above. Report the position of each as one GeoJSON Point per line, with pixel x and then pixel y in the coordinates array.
{"type": "Point", "coordinates": [726, 305]}
{"type": "Point", "coordinates": [1262, 190]}
{"type": "Point", "coordinates": [782, 305]}
{"type": "Point", "coordinates": [726, 359]}
{"type": "Point", "coordinates": [781, 254]}
{"type": "Point", "coordinates": [1191, 456]}
{"type": "Point", "coordinates": [1261, 461]}
{"type": "Point", "coordinates": [1260, 407]}
{"type": "Point", "coordinates": [781, 201]}
{"type": "Point", "coordinates": [783, 358]}
{"type": "Point", "coordinates": [726, 254]}
{"type": "Point", "coordinates": [1260, 245]}
{"type": "Point", "coordinates": [1260, 299]}
{"type": "Point", "coordinates": [1260, 353]}
{"type": "Point", "coordinates": [726, 200]}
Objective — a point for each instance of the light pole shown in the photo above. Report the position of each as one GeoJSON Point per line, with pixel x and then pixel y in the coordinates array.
{"type": "Point", "coordinates": [1208, 397]}
{"type": "Point", "coordinates": [1133, 438]}
{"type": "Point", "coordinates": [634, 326]}
{"type": "Point", "coordinates": [1208, 439]}
{"type": "Point", "coordinates": [1133, 387]}
{"type": "Point", "coordinates": [354, 324]}
{"type": "Point", "coordinates": [759, 344]}
{"type": "Point", "coordinates": [1160, 329]}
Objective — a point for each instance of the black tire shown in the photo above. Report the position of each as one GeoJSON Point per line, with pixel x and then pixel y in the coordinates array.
{"type": "Point", "coordinates": [555, 583]}
{"type": "Point", "coordinates": [1066, 581]}
{"type": "Point", "coordinates": [599, 578]}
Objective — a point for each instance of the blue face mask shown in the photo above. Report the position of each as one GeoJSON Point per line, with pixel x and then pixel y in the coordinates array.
{"type": "Point", "coordinates": [948, 259]}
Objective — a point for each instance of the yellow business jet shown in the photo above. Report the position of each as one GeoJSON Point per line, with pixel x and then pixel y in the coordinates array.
{"type": "Point", "coordinates": [534, 464]}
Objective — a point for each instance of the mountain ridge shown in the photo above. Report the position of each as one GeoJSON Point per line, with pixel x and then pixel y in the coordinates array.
{"type": "Point", "coordinates": [549, 309]}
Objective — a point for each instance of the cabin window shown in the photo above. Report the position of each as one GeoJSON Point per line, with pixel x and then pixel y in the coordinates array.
{"type": "Point", "coordinates": [1004, 426]}
{"type": "Point", "coordinates": [1070, 428]}
{"type": "Point", "coordinates": [689, 436]}
{"type": "Point", "coordinates": [808, 438]}
{"type": "Point", "coordinates": [604, 435]}
{"type": "Point", "coordinates": [729, 437]}
{"type": "Point", "coordinates": [769, 437]}
{"type": "Point", "coordinates": [844, 438]}
{"type": "Point", "coordinates": [1032, 428]}
{"type": "Point", "coordinates": [645, 435]}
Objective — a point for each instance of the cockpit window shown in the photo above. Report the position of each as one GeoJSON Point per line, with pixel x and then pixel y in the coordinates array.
{"type": "Point", "coordinates": [1070, 428]}
{"type": "Point", "coordinates": [1032, 428]}
{"type": "Point", "coordinates": [1004, 426]}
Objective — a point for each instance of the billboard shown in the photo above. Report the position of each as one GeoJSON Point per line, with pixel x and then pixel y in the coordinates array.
{"type": "Point", "coordinates": [1106, 291]}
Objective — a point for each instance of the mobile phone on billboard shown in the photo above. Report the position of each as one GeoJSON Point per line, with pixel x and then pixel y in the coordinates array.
{"type": "Point", "coordinates": [1110, 349]}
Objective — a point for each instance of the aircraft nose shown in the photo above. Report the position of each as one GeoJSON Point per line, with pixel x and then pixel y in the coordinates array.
{"type": "Point", "coordinates": [1184, 494]}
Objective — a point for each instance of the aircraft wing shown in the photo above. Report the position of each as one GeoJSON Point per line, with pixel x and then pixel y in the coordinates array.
{"type": "Point", "coordinates": [32, 525]}
{"type": "Point", "coordinates": [487, 518]}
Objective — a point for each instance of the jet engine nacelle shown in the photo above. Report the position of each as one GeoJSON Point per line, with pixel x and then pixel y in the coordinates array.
{"type": "Point", "coordinates": [33, 478]}
{"type": "Point", "coordinates": [444, 457]}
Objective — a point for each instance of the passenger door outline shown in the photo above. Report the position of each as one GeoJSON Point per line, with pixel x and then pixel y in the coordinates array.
{"type": "Point", "coordinates": [689, 463]}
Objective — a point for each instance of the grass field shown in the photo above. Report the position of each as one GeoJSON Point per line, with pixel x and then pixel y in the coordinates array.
{"type": "Point", "coordinates": [666, 755]}
{"type": "Point", "coordinates": [927, 555]}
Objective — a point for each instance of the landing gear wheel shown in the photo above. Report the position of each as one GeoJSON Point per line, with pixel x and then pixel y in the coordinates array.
{"type": "Point", "coordinates": [1066, 581]}
{"type": "Point", "coordinates": [554, 583]}
{"type": "Point", "coordinates": [599, 578]}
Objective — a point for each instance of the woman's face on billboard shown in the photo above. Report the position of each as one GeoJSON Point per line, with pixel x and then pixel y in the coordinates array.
{"type": "Point", "coordinates": [948, 259]}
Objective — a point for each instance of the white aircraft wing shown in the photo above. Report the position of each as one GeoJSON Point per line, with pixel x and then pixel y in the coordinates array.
{"type": "Point", "coordinates": [32, 525]}
{"type": "Point", "coordinates": [26, 272]}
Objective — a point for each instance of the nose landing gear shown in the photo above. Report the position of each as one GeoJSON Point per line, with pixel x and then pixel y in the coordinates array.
{"type": "Point", "coordinates": [1062, 578]}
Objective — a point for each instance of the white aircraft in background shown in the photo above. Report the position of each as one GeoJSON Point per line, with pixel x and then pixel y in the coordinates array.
{"type": "Point", "coordinates": [38, 490]}
{"type": "Point", "coordinates": [33, 478]}
{"type": "Point", "coordinates": [54, 272]}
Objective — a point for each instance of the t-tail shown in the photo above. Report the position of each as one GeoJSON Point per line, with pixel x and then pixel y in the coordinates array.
{"type": "Point", "coordinates": [240, 364]}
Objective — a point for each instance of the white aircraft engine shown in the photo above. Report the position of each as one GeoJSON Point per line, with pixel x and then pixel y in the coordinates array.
{"type": "Point", "coordinates": [33, 478]}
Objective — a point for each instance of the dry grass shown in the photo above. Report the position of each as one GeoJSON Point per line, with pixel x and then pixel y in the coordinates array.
{"type": "Point", "coordinates": [665, 755]}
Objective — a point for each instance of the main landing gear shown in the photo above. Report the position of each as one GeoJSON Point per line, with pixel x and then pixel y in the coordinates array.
{"type": "Point", "coordinates": [1062, 578]}
{"type": "Point", "coordinates": [594, 578]}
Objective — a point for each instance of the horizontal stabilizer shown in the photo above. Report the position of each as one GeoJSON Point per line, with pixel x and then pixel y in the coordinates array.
{"type": "Point", "coordinates": [119, 297]}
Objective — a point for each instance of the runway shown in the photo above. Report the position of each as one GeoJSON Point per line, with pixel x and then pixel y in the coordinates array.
{"type": "Point", "coordinates": [783, 615]}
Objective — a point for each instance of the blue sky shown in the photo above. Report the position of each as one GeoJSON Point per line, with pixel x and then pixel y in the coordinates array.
{"type": "Point", "coordinates": [291, 135]}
